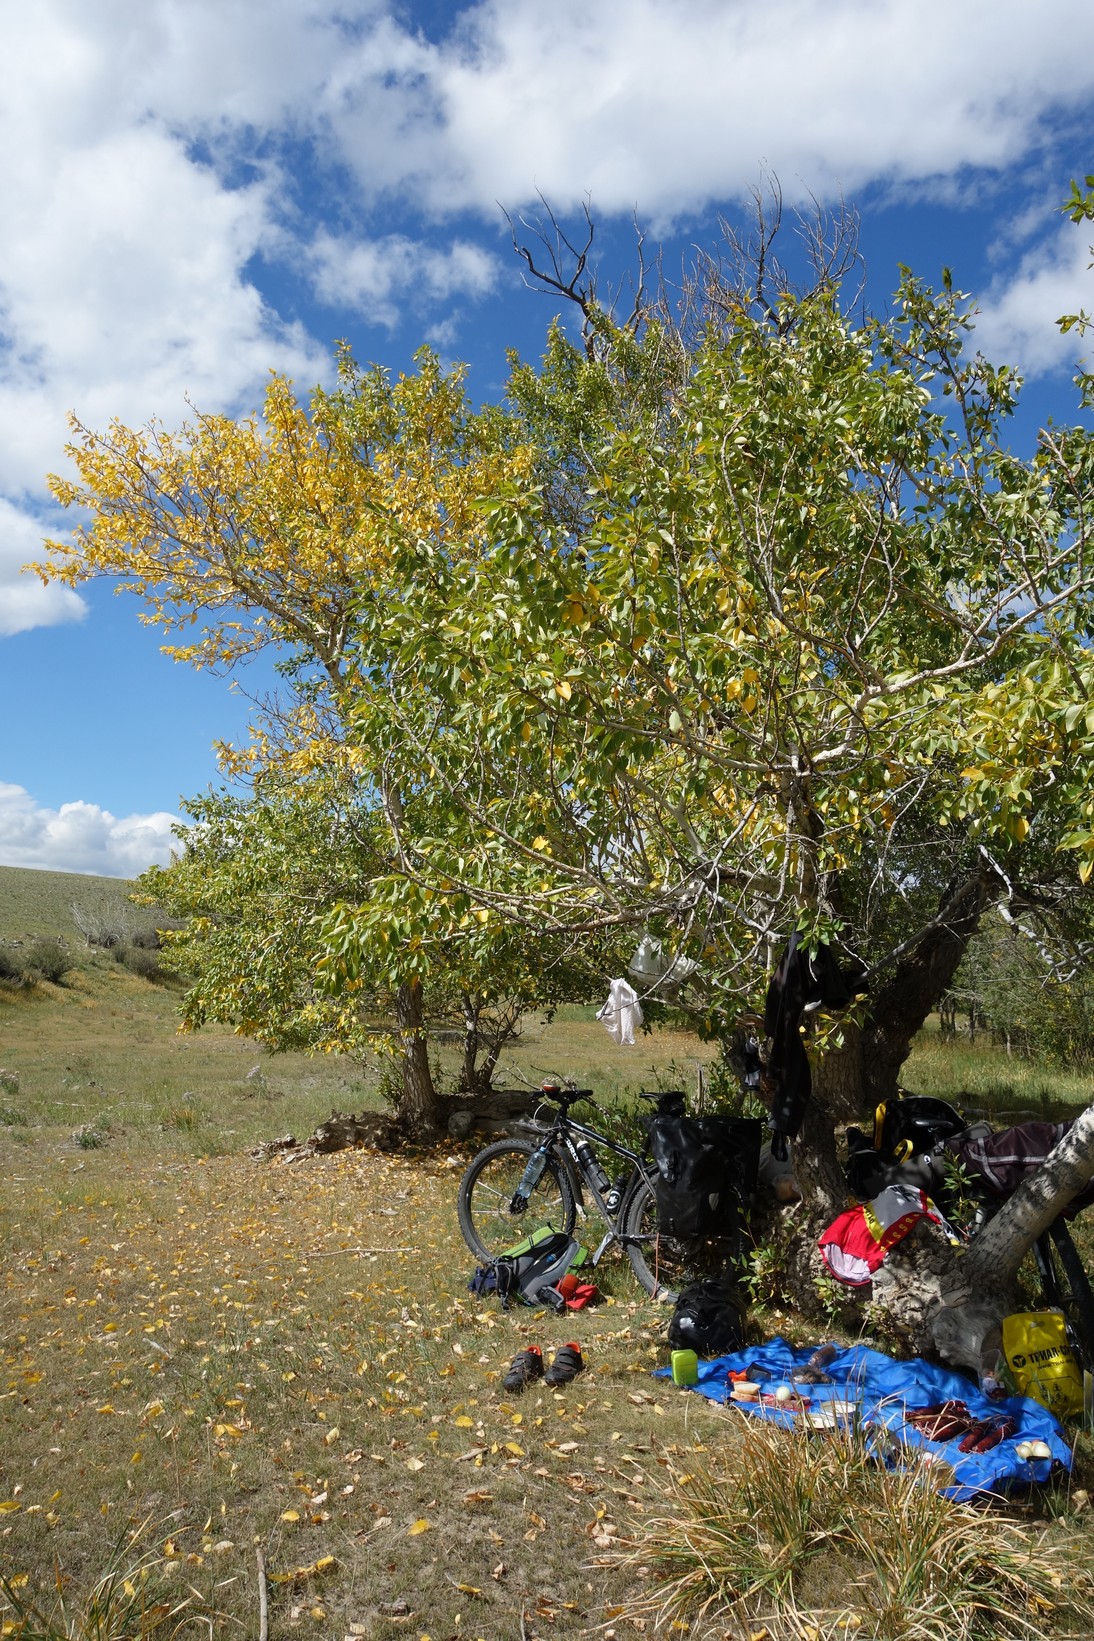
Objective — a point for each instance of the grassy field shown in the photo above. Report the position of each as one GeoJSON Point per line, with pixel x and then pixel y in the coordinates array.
{"type": "Point", "coordinates": [206, 1357]}
{"type": "Point", "coordinates": [40, 903]}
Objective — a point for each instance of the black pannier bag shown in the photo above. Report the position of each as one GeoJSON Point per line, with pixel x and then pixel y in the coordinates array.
{"type": "Point", "coordinates": [707, 1319]}
{"type": "Point", "coordinates": [706, 1172]}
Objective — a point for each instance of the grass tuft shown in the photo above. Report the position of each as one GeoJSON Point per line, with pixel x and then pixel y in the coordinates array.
{"type": "Point", "coordinates": [129, 1600]}
{"type": "Point", "coordinates": [809, 1535]}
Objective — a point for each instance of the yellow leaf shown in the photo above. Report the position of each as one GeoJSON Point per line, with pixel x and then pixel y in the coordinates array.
{"type": "Point", "coordinates": [562, 688]}
{"type": "Point", "coordinates": [9, 1504]}
{"type": "Point", "coordinates": [464, 1422]}
{"type": "Point", "coordinates": [420, 1526]}
{"type": "Point", "coordinates": [515, 1447]}
{"type": "Point", "coordinates": [290, 1515]}
{"type": "Point", "coordinates": [332, 1435]}
{"type": "Point", "coordinates": [415, 1464]}
{"type": "Point", "coordinates": [106, 1408]}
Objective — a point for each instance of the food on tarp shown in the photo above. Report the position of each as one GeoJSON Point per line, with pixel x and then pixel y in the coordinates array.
{"type": "Point", "coordinates": [783, 1398]}
{"type": "Point", "coordinates": [813, 1372]}
{"type": "Point", "coordinates": [1035, 1449]}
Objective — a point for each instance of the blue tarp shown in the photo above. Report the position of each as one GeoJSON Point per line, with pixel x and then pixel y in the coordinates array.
{"type": "Point", "coordinates": [883, 1391]}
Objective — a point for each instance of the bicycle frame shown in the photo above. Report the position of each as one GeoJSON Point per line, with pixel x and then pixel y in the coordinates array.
{"type": "Point", "coordinates": [560, 1141]}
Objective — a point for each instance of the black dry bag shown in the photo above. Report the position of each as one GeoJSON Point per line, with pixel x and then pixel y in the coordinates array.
{"type": "Point", "coordinates": [706, 1172]}
{"type": "Point", "coordinates": [707, 1319]}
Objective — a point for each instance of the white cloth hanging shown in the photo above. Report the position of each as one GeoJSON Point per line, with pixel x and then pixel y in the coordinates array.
{"type": "Point", "coordinates": [622, 1012]}
{"type": "Point", "coordinates": [655, 971]}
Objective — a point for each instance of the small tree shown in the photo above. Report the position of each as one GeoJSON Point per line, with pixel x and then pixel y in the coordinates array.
{"type": "Point", "coordinates": [279, 533]}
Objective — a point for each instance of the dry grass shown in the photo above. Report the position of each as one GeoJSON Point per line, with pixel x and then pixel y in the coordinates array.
{"type": "Point", "coordinates": [248, 1356]}
{"type": "Point", "coordinates": [794, 1535]}
{"type": "Point", "coordinates": [251, 1355]}
{"type": "Point", "coordinates": [222, 1356]}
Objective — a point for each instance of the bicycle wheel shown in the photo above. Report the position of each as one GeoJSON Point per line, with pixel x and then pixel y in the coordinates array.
{"type": "Point", "coordinates": [487, 1221]}
{"type": "Point", "coordinates": [665, 1264]}
{"type": "Point", "coordinates": [1073, 1293]}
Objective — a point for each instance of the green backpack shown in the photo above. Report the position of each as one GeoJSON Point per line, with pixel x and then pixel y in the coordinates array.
{"type": "Point", "coordinates": [529, 1270]}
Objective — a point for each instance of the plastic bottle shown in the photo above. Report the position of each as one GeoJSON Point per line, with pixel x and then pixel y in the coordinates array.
{"type": "Point", "coordinates": [615, 1195]}
{"type": "Point", "coordinates": [533, 1169]}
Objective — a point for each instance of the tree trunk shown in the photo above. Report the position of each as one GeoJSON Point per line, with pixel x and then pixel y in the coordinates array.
{"type": "Point", "coordinates": [858, 1072]}
{"type": "Point", "coordinates": [898, 1008]}
{"type": "Point", "coordinates": [418, 1111]}
{"type": "Point", "coordinates": [977, 1289]}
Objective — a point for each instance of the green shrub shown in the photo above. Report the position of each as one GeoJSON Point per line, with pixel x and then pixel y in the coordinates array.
{"type": "Point", "coordinates": [142, 960]}
{"type": "Point", "coordinates": [45, 960]}
{"type": "Point", "coordinates": [91, 1136]}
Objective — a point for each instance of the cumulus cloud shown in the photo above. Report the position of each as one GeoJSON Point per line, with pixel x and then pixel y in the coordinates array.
{"type": "Point", "coordinates": [124, 284]}
{"type": "Point", "coordinates": [80, 837]}
{"type": "Point", "coordinates": [24, 601]}
{"type": "Point", "coordinates": [673, 105]}
{"type": "Point", "coordinates": [1017, 321]}
{"type": "Point", "coordinates": [380, 278]}
{"type": "Point", "coordinates": [156, 155]}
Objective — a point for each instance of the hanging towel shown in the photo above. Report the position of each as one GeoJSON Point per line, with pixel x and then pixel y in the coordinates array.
{"type": "Point", "coordinates": [622, 1012]}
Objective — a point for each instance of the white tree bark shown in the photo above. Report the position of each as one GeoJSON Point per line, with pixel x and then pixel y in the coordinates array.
{"type": "Point", "coordinates": [976, 1289]}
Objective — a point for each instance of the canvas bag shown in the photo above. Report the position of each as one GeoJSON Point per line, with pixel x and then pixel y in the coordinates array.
{"type": "Point", "coordinates": [1042, 1361]}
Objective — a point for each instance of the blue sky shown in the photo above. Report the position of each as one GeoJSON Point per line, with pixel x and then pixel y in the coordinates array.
{"type": "Point", "coordinates": [195, 192]}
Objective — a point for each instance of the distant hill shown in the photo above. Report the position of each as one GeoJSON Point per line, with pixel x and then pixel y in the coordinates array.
{"type": "Point", "coordinates": [40, 903]}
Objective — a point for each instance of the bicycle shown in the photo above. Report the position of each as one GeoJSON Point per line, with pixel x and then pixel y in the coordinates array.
{"type": "Point", "coordinates": [517, 1187]}
{"type": "Point", "coordinates": [1066, 1287]}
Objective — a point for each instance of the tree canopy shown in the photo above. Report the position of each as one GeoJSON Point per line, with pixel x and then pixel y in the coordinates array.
{"type": "Point", "coordinates": [813, 652]}
{"type": "Point", "coordinates": [731, 620]}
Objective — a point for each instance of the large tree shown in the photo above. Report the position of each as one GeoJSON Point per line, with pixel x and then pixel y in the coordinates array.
{"type": "Point", "coordinates": [780, 634]}
{"type": "Point", "coordinates": [754, 623]}
{"type": "Point", "coordinates": [255, 874]}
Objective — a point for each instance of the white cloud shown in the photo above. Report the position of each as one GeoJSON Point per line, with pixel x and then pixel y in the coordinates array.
{"type": "Point", "coordinates": [24, 601]}
{"type": "Point", "coordinates": [80, 837]}
{"type": "Point", "coordinates": [672, 104]}
{"type": "Point", "coordinates": [1017, 319]}
{"type": "Point", "coordinates": [383, 277]}
{"type": "Point", "coordinates": [124, 283]}
{"type": "Point", "coordinates": [154, 152]}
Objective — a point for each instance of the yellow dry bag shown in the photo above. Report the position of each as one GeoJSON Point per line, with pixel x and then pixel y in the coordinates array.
{"type": "Point", "coordinates": [1042, 1362]}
